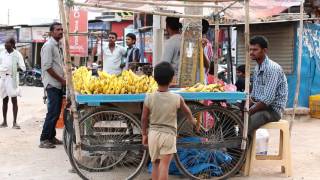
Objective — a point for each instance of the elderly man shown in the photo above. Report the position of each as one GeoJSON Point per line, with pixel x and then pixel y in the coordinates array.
{"type": "Point", "coordinates": [270, 89]}
{"type": "Point", "coordinates": [10, 61]}
{"type": "Point", "coordinates": [53, 81]}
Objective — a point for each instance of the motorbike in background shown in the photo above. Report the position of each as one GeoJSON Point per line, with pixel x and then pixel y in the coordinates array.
{"type": "Point", "coordinates": [22, 78]}
{"type": "Point", "coordinates": [33, 77]}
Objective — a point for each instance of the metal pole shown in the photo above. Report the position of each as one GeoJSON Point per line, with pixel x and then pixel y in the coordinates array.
{"type": "Point", "coordinates": [68, 70]}
{"type": "Point", "coordinates": [296, 96]}
{"type": "Point", "coordinates": [247, 79]}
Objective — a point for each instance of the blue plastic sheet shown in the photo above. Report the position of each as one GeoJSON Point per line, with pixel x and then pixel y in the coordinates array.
{"type": "Point", "coordinates": [202, 160]}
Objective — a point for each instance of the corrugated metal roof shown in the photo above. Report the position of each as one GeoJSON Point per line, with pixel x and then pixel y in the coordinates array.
{"type": "Point", "coordinates": [281, 44]}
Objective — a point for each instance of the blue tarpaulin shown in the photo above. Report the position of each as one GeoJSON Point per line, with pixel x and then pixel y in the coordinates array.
{"type": "Point", "coordinates": [310, 66]}
{"type": "Point", "coordinates": [202, 160]}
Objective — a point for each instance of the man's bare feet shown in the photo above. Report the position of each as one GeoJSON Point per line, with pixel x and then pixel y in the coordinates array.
{"type": "Point", "coordinates": [3, 125]}
{"type": "Point", "coordinates": [16, 126]}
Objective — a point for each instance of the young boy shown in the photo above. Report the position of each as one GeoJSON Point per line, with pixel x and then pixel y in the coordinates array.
{"type": "Point", "coordinates": [160, 115]}
{"type": "Point", "coordinates": [240, 83]}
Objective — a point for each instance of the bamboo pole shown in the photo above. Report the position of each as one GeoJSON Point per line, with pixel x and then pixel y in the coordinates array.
{"type": "Point", "coordinates": [138, 10]}
{"type": "Point", "coordinates": [216, 44]}
{"type": "Point", "coordinates": [296, 96]}
{"type": "Point", "coordinates": [158, 3]}
{"type": "Point", "coordinates": [208, 1]}
{"type": "Point", "coordinates": [68, 70]}
{"type": "Point", "coordinates": [201, 64]}
{"type": "Point", "coordinates": [247, 74]}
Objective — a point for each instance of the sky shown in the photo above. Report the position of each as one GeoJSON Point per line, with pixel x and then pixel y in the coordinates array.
{"type": "Point", "coordinates": [28, 11]}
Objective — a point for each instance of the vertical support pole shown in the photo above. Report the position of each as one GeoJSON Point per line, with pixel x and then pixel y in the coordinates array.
{"type": "Point", "coordinates": [35, 54]}
{"type": "Point", "coordinates": [296, 96]}
{"type": "Point", "coordinates": [201, 63]}
{"type": "Point", "coordinates": [157, 39]}
{"type": "Point", "coordinates": [229, 58]}
{"type": "Point", "coordinates": [247, 79]}
{"type": "Point", "coordinates": [216, 42]}
{"type": "Point", "coordinates": [68, 72]}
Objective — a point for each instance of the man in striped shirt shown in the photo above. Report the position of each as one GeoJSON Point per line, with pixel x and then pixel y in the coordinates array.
{"type": "Point", "coordinates": [270, 89]}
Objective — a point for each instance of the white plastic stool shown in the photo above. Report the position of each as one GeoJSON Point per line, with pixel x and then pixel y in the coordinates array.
{"type": "Point", "coordinates": [283, 158]}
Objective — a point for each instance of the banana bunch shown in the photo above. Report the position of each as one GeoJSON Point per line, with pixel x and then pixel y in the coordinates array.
{"type": "Point", "coordinates": [126, 83]}
{"type": "Point", "coordinates": [205, 88]}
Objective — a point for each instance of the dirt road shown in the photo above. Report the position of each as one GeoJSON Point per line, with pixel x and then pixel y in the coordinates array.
{"type": "Point", "coordinates": [21, 159]}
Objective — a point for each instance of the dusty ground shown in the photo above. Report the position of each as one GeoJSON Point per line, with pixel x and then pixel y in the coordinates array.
{"type": "Point", "coordinates": [21, 159]}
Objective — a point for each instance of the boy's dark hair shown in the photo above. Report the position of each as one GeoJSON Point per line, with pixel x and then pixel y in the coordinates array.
{"type": "Point", "coordinates": [173, 23]}
{"type": "Point", "coordinates": [260, 40]}
{"type": "Point", "coordinates": [115, 34]}
{"type": "Point", "coordinates": [132, 36]}
{"type": "Point", "coordinates": [163, 73]}
{"type": "Point", "coordinates": [242, 68]}
{"type": "Point", "coordinates": [205, 26]}
{"type": "Point", "coordinates": [53, 25]}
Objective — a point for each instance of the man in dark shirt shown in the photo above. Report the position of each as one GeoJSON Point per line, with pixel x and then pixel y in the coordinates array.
{"type": "Point", "coordinates": [133, 53]}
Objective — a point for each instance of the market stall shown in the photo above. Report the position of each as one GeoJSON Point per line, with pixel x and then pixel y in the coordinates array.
{"type": "Point", "coordinates": [103, 129]}
{"type": "Point", "coordinates": [104, 138]}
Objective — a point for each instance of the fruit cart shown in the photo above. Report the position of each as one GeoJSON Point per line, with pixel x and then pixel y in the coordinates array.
{"type": "Point", "coordinates": [111, 140]}
{"type": "Point", "coordinates": [103, 137]}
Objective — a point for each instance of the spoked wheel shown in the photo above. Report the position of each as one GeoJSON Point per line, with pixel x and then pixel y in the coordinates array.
{"type": "Point", "coordinates": [111, 146]}
{"type": "Point", "coordinates": [66, 137]}
{"type": "Point", "coordinates": [215, 151]}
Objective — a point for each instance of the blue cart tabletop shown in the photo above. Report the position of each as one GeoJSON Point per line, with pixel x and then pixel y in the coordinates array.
{"type": "Point", "coordinates": [97, 99]}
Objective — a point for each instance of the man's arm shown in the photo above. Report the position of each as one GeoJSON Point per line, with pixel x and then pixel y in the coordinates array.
{"type": "Point", "coordinates": [206, 61]}
{"type": "Point", "coordinates": [259, 106]}
{"type": "Point", "coordinates": [21, 64]}
{"type": "Point", "coordinates": [47, 60]}
{"type": "Point", "coordinates": [56, 76]}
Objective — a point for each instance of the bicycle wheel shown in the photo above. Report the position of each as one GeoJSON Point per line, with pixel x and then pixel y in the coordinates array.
{"type": "Point", "coordinates": [215, 151]}
{"type": "Point", "coordinates": [111, 146]}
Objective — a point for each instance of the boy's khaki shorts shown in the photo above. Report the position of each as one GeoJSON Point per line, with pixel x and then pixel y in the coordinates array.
{"type": "Point", "coordinates": [161, 143]}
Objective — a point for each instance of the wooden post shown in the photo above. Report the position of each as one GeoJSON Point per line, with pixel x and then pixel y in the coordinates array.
{"type": "Point", "coordinates": [157, 39]}
{"type": "Point", "coordinates": [247, 78]}
{"type": "Point", "coordinates": [296, 96]}
{"type": "Point", "coordinates": [68, 73]}
{"type": "Point", "coordinates": [216, 43]}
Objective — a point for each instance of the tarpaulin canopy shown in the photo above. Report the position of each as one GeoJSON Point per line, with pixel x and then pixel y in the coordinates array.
{"type": "Point", "coordinates": [231, 9]}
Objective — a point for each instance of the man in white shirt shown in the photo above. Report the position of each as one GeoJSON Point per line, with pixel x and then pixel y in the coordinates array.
{"type": "Point", "coordinates": [10, 61]}
{"type": "Point", "coordinates": [112, 54]}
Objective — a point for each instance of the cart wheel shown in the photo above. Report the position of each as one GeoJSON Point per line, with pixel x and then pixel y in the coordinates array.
{"type": "Point", "coordinates": [215, 151]}
{"type": "Point", "coordinates": [65, 136]}
{"type": "Point", "coordinates": [110, 145]}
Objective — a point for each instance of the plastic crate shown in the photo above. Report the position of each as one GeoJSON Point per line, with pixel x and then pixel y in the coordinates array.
{"type": "Point", "coordinates": [314, 106]}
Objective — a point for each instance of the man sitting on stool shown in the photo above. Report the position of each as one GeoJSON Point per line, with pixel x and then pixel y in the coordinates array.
{"type": "Point", "coordinates": [270, 88]}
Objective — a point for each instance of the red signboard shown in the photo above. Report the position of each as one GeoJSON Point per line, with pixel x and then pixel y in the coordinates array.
{"type": "Point", "coordinates": [79, 23]}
